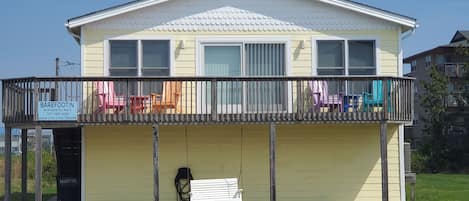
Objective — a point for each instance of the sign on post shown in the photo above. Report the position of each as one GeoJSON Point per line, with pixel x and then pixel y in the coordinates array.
{"type": "Point", "coordinates": [57, 111]}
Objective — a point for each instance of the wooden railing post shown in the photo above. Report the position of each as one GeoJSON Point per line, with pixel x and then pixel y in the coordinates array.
{"type": "Point", "coordinates": [272, 147]}
{"type": "Point", "coordinates": [384, 160]}
{"type": "Point", "coordinates": [214, 100]}
{"type": "Point", "coordinates": [7, 163]}
{"type": "Point", "coordinates": [386, 98]}
{"type": "Point", "coordinates": [299, 99]}
{"type": "Point", "coordinates": [36, 99]}
{"type": "Point", "coordinates": [24, 164]}
{"type": "Point", "coordinates": [156, 168]}
{"type": "Point", "coordinates": [38, 168]}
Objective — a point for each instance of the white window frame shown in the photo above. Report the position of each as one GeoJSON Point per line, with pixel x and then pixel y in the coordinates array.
{"type": "Point", "coordinates": [214, 40]}
{"type": "Point", "coordinates": [346, 39]}
{"type": "Point", "coordinates": [139, 39]}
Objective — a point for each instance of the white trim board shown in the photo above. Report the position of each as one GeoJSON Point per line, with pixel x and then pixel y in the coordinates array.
{"type": "Point", "coordinates": [110, 12]}
{"type": "Point", "coordinates": [401, 163]}
{"type": "Point", "coordinates": [404, 21]}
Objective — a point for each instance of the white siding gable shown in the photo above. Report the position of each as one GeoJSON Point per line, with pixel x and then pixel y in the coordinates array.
{"type": "Point", "coordinates": [242, 15]}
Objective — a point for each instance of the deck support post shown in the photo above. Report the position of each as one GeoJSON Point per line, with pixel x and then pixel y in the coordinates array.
{"type": "Point", "coordinates": [272, 142]}
{"type": "Point", "coordinates": [38, 164]}
{"type": "Point", "coordinates": [156, 174]}
{"type": "Point", "coordinates": [24, 164]}
{"type": "Point", "coordinates": [7, 164]}
{"type": "Point", "coordinates": [384, 160]}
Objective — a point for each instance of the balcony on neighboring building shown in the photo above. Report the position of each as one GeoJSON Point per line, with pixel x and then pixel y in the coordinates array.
{"type": "Point", "coordinates": [453, 70]}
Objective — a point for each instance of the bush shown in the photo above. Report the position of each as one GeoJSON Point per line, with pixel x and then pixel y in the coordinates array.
{"type": "Point", "coordinates": [419, 162]}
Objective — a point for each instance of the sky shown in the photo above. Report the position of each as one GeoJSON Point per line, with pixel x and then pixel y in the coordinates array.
{"type": "Point", "coordinates": [33, 34]}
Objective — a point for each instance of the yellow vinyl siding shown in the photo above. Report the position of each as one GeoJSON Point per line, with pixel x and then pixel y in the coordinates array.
{"type": "Point", "coordinates": [314, 162]}
{"type": "Point", "coordinates": [185, 59]}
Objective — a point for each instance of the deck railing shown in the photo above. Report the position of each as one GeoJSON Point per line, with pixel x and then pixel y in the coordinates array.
{"type": "Point", "coordinates": [457, 99]}
{"type": "Point", "coordinates": [206, 100]}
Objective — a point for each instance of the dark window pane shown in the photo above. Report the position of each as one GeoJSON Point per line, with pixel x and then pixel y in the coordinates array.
{"type": "Point", "coordinates": [330, 71]}
{"type": "Point", "coordinates": [153, 86]}
{"type": "Point", "coordinates": [361, 53]}
{"type": "Point", "coordinates": [123, 54]}
{"type": "Point", "coordinates": [362, 71]}
{"type": "Point", "coordinates": [155, 53]}
{"type": "Point", "coordinates": [330, 54]}
{"type": "Point", "coordinates": [155, 72]}
{"type": "Point", "coordinates": [123, 72]}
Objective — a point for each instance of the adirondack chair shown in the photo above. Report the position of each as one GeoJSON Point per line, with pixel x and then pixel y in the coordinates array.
{"type": "Point", "coordinates": [216, 190]}
{"type": "Point", "coordinates": [107, 97]}
{"type": "Point", "coordinates": [375, 98]}
{"type": "Point", "coordinates": [322, 98]}
{"type": "Point", "coordinates": [168, 99]}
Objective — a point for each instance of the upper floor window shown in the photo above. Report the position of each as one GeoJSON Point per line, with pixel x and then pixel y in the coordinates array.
{"type": "Point", "coordinates": [413, 66]}
{"type": "Point", "coordinates": [139, 58]}
{"type": "Point", "coordinates": [428, 61]}
{"type": "Point", "coordinates": [360, 59]}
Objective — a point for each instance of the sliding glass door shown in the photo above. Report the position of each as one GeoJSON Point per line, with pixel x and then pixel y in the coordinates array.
{"type": "Point", "coordinates": [244, 60]}
{"type": "Point", "coordinates": [223, 60]}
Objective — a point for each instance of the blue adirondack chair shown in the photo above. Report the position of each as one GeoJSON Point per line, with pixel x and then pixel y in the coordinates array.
{"type": "Point", "coordinates": [375, 98]}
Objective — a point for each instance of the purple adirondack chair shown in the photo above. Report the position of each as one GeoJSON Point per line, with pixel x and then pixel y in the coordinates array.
{"type": "Point", "coordinates": [322, 98]}
{"type": "Point", "coordinates": [107, 97]}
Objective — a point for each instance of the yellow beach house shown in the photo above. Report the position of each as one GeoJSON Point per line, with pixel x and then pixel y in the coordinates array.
{"type": "Point", "coordinates": [185, 100]}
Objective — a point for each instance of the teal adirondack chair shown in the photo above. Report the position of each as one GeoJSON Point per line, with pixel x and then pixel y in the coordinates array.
{"type": "Point", "coordinates": [375, 98]}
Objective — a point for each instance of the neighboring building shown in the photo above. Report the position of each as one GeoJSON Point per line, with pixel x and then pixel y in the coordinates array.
{"type": "Point", "coordinates": [298, 100]}
{"type": "Point", "coordinates": [47, 141]}
{"type": "Point", "coordinates": [451, 62]}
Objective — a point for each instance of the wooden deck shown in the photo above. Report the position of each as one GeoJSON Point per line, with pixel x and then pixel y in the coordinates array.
{"type": "Point", "coordinates": [210, 100]}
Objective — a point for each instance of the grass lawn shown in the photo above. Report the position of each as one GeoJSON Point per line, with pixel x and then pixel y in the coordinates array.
{"type": "Point", "coordinates": [441, 187]}
{"type": "Point", "coordinates": [48, 190]}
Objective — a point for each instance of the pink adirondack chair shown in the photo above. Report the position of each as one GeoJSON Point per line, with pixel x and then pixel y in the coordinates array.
{"type": "Point", "coordinates": [107, 97]}
{"type": "Point", "coordinates": [322, 98]}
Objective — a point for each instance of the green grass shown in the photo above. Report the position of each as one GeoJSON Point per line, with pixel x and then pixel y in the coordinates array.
{"type": "Point", "coordinates": [441, 187]}
{"type": "Point", "coordinates": [48, 190]}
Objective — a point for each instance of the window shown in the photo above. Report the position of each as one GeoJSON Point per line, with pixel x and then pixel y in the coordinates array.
{"type": "Point", "coordinates": [139, 58]}
{"type": "Point", "coordinates": [362, 58]}
{"type": "Point", "coordinates": [346, 57]}
{"type": "Point", "coordinates": [124, 58]}
{"type": "Point", "coordinates": [332, 61]}
{"type": "Point", "coordinates": [155, 58]}
{"type": "Point", "coordinates": [428, 61]}
{"type": "Point", "coordinates": [413, 66]}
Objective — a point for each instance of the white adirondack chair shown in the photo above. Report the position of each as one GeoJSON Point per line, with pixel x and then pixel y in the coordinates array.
{"type": "Point", "coordinates": [215, 190]}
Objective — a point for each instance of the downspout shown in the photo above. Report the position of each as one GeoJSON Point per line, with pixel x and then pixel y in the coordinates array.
{"type": "Point", "coordinates": [408, 33]}
{"type": "Point", "coordinates": [74, 35]}
{"type": "Point", "coordinates": [403, 36]}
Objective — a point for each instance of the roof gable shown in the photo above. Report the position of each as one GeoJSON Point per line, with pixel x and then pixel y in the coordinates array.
{"type": "Point", "coordinates": [214, 15]}
{"type": "Point", "coordinates": [460, 36]}
{"type": "Point", "coordinates": [404, 21]}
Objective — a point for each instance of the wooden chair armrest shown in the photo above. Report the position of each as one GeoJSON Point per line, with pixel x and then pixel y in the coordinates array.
{"type": "Point", "coordinates": [155, 95]}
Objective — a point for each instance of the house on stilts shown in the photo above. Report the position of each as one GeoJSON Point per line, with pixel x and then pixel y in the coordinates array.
{"type": "Point", "coordinates": [287, 100]}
